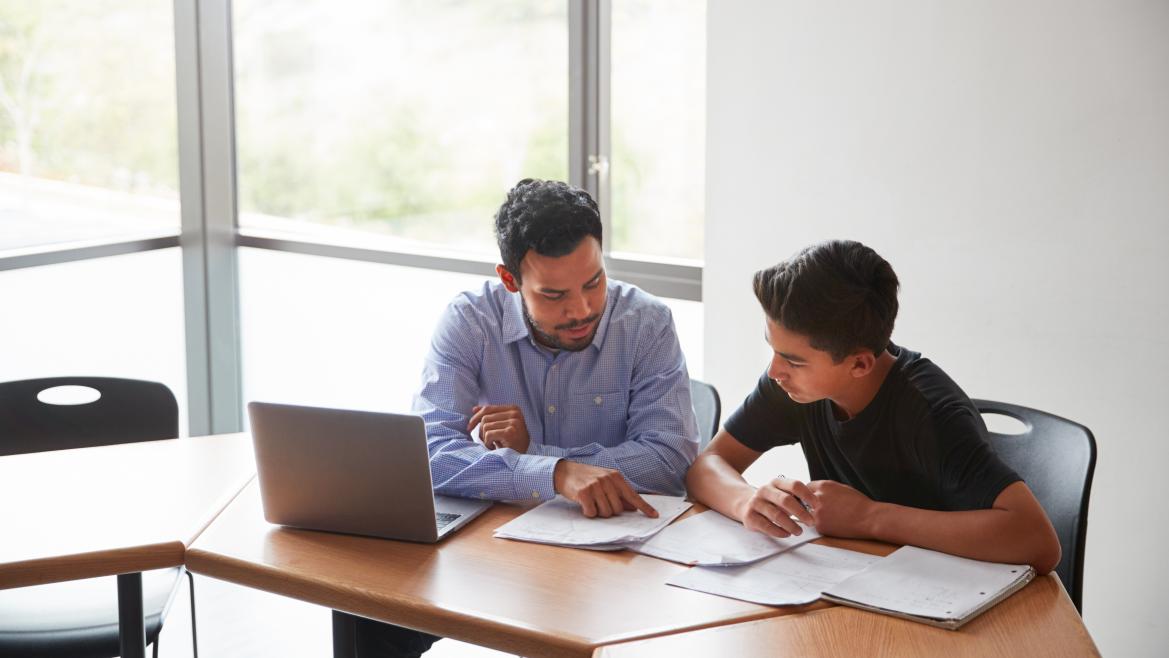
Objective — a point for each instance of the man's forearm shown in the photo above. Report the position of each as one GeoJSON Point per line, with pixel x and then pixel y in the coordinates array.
{"type": "Point", "coordinates": [650, 466]}
{"type": "Point", "coordinates": [995, 535]}
{"type": "Point", "coordinates": [461, 467]}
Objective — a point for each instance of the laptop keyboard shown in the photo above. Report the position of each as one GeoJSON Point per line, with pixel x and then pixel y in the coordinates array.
{"type": "Point", "coordinates": [443, 519]}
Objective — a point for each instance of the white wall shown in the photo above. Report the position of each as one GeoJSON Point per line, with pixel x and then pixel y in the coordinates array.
{"type": "Point", "coordinates": [1011, 160]}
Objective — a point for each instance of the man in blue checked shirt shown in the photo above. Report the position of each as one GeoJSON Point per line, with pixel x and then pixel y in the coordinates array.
{"type": "Point", "coordinates": [555, 379]}
{"type": "Point", "coordinates": [552, 380]}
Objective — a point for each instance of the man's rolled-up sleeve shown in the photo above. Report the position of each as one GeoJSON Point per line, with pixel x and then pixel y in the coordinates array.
{"type": "Point", "coordinates": [459, 465]}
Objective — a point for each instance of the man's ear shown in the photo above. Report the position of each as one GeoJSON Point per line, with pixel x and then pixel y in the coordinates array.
{"type": "Point", "coordinates": [509, 281]}
{"type": "Point", "coordinates": [861, 363]}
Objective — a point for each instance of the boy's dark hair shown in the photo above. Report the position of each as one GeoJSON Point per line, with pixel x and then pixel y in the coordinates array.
{"type": "Point", "coordinates": [548, 216]}
{"type": "Point", "coordinates": [840, 294]}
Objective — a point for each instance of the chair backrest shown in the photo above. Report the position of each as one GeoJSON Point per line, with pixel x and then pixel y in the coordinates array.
{"type": "Point", "coordinates": [128, 411]}
{"type": "Point", "coordinates": [1056, 457]}
{"type": "Point", "coordinates": [707, 409]}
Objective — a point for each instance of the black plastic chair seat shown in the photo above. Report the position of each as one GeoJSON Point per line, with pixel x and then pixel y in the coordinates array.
{"type": "Point", "coordinates": [35, 622]}
{"type": "Point", "coordinates": [79, 619]}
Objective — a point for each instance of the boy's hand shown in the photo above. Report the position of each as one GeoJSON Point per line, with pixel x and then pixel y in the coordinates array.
{"type": "Point", "coordinates": [771, 508]}
{"type": "Point", "coordinates": [842, 511]}
{"type": "Point", "coordinates": [501, 426]}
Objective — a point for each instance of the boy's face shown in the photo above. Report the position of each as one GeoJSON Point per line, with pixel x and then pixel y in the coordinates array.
{"type": "Point", "coordinates": [805, 373]}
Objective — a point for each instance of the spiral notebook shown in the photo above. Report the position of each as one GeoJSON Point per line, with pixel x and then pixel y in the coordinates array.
{"type": "Point", "coordinates": [930, 587]}
{"type": "Point", "coordinates": [912, 583]}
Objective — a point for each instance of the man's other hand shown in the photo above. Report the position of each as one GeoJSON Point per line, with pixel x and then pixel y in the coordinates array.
{"type": "Point", "coordinates": [599, 491]}
{"type": "Point", "coordinates": [501, 426]}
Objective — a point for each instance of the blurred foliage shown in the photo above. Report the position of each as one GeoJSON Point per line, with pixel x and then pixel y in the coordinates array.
{"type": "Point", "coordinates": [409, 117]}
{"type": "Point", "coordinates": [87, 93]}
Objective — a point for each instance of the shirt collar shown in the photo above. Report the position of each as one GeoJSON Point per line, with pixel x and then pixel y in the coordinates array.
{"type": "Point", "coordinates": [514, 327]}
{"type": "Point", "coordinates": [603, 323]}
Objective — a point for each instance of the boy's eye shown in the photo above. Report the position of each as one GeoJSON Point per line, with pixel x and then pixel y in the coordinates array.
{"type": "Point", "coordinates": [795, 365]}
{"type": "Point", "coordinates": [594, 284]}
{"type": "Point", "coordinates": [553, 298]}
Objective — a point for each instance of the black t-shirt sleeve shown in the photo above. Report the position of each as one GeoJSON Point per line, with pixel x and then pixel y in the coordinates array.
{"type": "Point", "coordinates": [767, 418]}
{"type": "Point", "coordinates": [971, 474]}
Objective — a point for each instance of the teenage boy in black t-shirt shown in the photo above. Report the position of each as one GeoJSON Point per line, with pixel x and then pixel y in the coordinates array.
{"type": "Point", "coordinates": [895, 449]}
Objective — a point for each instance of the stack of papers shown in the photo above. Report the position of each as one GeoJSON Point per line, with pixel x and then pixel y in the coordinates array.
{"type": "Point", "coordinates": [912, 583]}
{"type": "Point", "coordinates": [931, 587]}
{"type": "Point", "coordinates": [793, 577]}
{"type": "Point", "coordinates": [560, 521]}
{"type": "Point", "coordinates": [711, 539]}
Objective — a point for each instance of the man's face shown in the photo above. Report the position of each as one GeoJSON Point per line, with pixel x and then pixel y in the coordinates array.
{"type": "Point", "coordinates": [805, 373]}
{"type": "Point", "coordinates": [564, 297]}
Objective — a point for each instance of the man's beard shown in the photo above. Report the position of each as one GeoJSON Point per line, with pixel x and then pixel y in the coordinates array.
{"type": "Point", "coordinates": [550, 339]}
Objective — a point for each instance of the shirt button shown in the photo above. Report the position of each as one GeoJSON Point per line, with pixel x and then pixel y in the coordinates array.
{"type": "Point", "coordinates": [551, 408]}
{"type": "Point", "coordinates": [598, 399]}
{"type": "Point", "coordinates": [535, 494]}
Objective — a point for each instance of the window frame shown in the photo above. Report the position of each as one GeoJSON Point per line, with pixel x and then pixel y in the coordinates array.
{"type": "Point", "coordinates": [210, 235]}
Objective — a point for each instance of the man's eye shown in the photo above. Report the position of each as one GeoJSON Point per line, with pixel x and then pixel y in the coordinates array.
{"type": "Point", "coordinates": [795, 365]}
{"type": "Point", "coordinates": [554, 298]}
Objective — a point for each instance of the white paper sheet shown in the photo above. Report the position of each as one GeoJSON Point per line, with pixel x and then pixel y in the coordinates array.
{"type": "Point", "coordinates": [711, 539]}
{"type": "Point", "coordinates": [560, 521]}
{"type": "Point", "coordinates": [926, 583]}
{"type": "Point", "coordinates": [792, 577]}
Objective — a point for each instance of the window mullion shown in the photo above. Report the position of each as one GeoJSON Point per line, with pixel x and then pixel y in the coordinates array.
{"type": "Point", "coordinates": [207, 194]}
{"type": "Point", "coordinates": [588, 103]}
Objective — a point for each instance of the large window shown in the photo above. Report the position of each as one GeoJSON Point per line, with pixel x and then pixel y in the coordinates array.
{"type": "Point", "coordinates": [344, 333]}
{"type": "Point", "coordinates": [658, 106]}
{"type": "Point", "coordinates": [87, 121]}
{"type": "Point", "coordinates": [88, 158]}
{"type": "Point", "coordinates": [337, 332]}
{"type": "Point", "coordinates": [381, 134]}
{"type": "Point", "coordinates": [408, 119]}
{"type": "Point", "coordinates": [120, 316]}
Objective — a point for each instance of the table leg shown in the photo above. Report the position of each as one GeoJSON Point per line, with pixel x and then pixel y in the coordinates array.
{"type": "Point", "coordinates": [131, 617]}
{"type": "Point", "coordinates": [344, 635]}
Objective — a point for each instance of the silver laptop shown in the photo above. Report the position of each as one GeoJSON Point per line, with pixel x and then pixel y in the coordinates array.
{"type": "Point", "coordinates": [356, 472]}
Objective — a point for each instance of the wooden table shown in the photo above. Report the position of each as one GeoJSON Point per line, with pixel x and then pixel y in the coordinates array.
{"type": "Point", "coordinates": [1039, 620]}
{"type": "Point", "coordinates": [114, 510]}
{"type": "Point", "coordinates": [519, 597]}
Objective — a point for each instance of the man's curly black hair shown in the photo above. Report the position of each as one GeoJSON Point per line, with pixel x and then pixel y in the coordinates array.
{"type": "Point", "coordinates": [550, 217]}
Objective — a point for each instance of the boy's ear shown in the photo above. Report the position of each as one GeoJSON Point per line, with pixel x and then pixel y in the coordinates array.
{"type": "Point", "coordinates": [861, 363]}
{"type": "Point", "coordinates": [509, 281]}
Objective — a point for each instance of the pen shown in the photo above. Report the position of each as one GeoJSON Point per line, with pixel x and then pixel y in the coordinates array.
{"type": "Point", "coordinates": [806, 505]}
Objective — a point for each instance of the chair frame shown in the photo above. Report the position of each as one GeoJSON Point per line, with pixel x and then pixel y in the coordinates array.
{"type": "Point", "coordinates": [696, 384]}
{"type": "Point", "coordinates": [130, 604]}
{"type": "Point", "coordinates": [1035, 421]}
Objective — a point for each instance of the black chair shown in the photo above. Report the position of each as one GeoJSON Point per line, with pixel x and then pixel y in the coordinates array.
{"type": "Point", "coordinates": [79, 619]}
{"type": "Point", "coordinates": [1056, 457]}
{"type": "Point", "coordinates": [707, 410]}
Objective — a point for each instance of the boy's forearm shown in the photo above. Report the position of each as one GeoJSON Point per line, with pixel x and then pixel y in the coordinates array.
{"type": "Point", "coordinates": [994, 535]}
{"type": "Point", "coordinates": [716, 484]}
